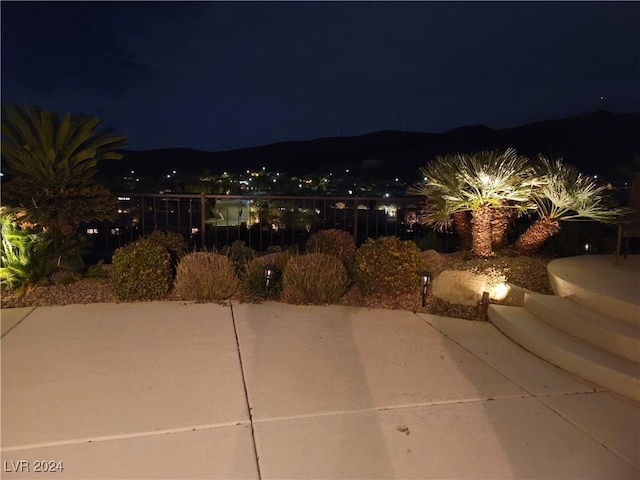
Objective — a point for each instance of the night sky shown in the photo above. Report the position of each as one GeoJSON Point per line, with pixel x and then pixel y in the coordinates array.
{"type": "Point", "coordinates": [218, 75]}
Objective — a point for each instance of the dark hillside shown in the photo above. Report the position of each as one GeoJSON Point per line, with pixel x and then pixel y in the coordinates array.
{"type": "Point", "coordinates": [598, 143]}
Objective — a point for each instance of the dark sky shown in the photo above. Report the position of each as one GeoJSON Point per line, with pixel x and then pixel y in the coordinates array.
{"type": "Point", "coordinates": [226, 75]}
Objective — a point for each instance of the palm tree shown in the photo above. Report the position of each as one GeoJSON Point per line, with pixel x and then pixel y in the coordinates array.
{"type": "Point", "coordinates": [564, 194]}
{"type": "Point", "coordinates": [478, 183]}
{"type": "Point", "coordinates": [501, 220]}
{"type": "Point", "coordinates": [51, 162]}
{"type": "Point", "coordinates": [440, 180]}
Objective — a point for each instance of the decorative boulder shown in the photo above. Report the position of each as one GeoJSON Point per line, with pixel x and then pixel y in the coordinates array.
{"type": "Point", "coordinates": [434, 260]}
{"type": "Point", "coordinates": [459, 287]}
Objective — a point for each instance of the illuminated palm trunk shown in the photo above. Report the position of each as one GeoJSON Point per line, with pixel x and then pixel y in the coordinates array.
{"type": "Point", "coordinates": [500, 221]}
{"type": "Point", "coordinates": [481, 232]}
{"type": "Point", "coordinates": [462, 225]}
{"type": "Point", "coordinates": [538, 233]}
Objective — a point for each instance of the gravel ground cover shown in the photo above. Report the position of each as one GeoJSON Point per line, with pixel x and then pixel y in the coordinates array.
{"type": "Point", "coordinates": [529, 272]}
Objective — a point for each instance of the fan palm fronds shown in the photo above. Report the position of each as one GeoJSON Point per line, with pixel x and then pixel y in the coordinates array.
{"type": "Point", "coordinates": [564, 194]}
{"type": "Point", "coordinates": [476, 183]}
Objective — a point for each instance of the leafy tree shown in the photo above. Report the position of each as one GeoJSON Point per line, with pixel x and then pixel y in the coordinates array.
{"type": "Point", "coordinates": [51, 163]}
{"type": "Point", "coordinates": [564, 194]}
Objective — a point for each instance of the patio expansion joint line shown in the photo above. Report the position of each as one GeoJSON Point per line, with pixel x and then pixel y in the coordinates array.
{"type": "Point", "coordinates": [585, 431]}
{"type": "Point", "coordinates": [539, 397]}
{"type": "Point", "coordinates": [387, 409]}
{"type": "Point", "coordinates": [502, 374]}
{"type": "Point", "coordinates": [33, 309]}
{"type": "Point", "coordinates": [123, 436]}
{"type": "Point", "coordinates": [246, 391]}
{"type": "Point", "coordinates": [592, 389]}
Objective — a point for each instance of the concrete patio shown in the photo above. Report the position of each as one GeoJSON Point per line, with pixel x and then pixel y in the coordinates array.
{"type": "Point", "coordinates": [182, 390]}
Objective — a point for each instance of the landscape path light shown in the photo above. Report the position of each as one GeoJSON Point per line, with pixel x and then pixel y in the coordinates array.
{"type": "Point", "coordinates": [484, 303]}
{"type": "Point", "coordinates": [270, 272]}
{"type": "Point", "coordinates": [425, 276]}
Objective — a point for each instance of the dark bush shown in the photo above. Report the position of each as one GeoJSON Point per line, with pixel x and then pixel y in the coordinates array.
{"type": "Point", "coordinates": [388, 266]}
{"type": "Point", "coordinates": [203, 276]}
{"type": "Point", "coordinates": [334, 242]}
{"type": "Point", "coordinates": [240, 254]}
{"type": "Point", "coordinates": [253, 279]}
{"type": "Point", "coordinates": [173, 242]}
{"type": "Point", "coordinates": [314, 278]}
{"type": "Point", "coordinates": [141, 271]}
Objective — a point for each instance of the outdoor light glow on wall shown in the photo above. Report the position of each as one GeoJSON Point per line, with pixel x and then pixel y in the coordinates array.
{"type": "Point", "coordinates": [426, 280]}
{"type": "Point", "coordinates": [270, 272]}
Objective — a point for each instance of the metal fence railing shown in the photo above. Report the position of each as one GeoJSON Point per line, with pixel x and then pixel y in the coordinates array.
{"type": "Point", "coordinates": [213, 221]}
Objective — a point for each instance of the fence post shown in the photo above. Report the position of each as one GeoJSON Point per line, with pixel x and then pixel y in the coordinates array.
{"type": "Point", "coordinates": [355, 219]}
{"type": "Point", "coordinates": [202, 216]}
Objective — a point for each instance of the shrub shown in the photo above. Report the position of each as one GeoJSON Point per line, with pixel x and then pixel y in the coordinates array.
{"type": "Point", "coordinates": [253, 280]}
{"type": "Point", "coordinates": [240, 254]}
{"type": "Point", "coordinates": [30, 256]}
{"type": "Point", "coordinates": [314, 278]}
{"type": "Point", "coordinates": [141, 271]}
{"type": "Point", "coordinates": [25, 259]}
{"type": "Point", "coordinates": [334, 242]}
{"type": "Point", "coordinates": [388, 266]}
{"type": "Point", "coordinates": [173, 242]}
{"type": "Point", "coordinates": [204, 276]}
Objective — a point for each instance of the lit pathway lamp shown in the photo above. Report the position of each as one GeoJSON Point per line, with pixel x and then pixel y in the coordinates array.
{"type": "Point", "coordinates": [426, 280]}
{"type": "Point", "coordinates": [270, 272]}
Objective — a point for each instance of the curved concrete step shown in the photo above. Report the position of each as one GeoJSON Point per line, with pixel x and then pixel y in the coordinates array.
{"type": "Point", "coordinates": [600, 284]}
{"type": "Point", "coordinates": [613, 373]}
{"type": "Point", "coordinates": [602, 331]}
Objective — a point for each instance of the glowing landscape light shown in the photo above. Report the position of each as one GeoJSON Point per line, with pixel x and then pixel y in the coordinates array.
{"type": "Point", "coordinates": [500, 291]}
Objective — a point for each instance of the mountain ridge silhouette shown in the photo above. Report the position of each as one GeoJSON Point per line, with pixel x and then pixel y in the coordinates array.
{"type": "Point", "coordinates": [601, 142]}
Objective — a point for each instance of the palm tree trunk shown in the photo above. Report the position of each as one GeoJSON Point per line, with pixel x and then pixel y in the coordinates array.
{"type": "Point", "coordinates": [533, 238]}
{"type": "Point", "coordinates": [500, 222]}
{"type": "Point", "coordinates": [481, 232]}
{"type": "Point", "coordinates": [462, 225]}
